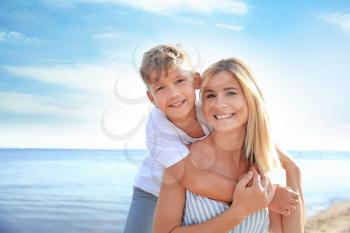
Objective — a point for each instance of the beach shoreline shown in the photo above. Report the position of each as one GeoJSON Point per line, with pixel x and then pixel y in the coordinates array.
{"type": "Point", "coordinates": [335, 219]}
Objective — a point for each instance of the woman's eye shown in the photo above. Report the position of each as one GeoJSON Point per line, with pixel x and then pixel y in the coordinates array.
{"type": "Point", "coordinates": [231, 93]}
{"type": "Point", "coordinates": [210, 96]}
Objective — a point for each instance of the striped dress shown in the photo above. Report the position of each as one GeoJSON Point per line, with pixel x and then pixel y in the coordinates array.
{"type": "Point", "coordinates": [199, 209]}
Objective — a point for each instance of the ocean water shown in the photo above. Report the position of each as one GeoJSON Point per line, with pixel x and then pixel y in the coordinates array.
{"type": "Point", "coordinates": [89, 191]}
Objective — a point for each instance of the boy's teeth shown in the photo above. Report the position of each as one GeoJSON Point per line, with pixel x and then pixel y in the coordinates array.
{"type": "Point", "coordinates": [177, 104]}
{"type": "Point", "coordinates": [223, 116]}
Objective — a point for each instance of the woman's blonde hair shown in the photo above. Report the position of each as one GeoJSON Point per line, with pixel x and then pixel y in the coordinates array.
{"type": "Point", "coordinates": [258, 144]}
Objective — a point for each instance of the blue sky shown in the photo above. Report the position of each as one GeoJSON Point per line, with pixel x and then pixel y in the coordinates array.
{"type": "Point", "coordinates": [68, 65]}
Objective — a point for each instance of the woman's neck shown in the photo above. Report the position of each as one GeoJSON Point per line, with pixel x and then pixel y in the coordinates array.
{"type": "Point", "coordinates": [230, 144]}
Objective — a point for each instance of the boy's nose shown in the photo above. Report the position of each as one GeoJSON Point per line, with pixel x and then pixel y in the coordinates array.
{"type": "Point", "coordinates": [173, 92]}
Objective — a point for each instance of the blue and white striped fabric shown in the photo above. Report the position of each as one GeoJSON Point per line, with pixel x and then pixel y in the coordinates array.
{"type": "Point", "coordinates": [199, 209]}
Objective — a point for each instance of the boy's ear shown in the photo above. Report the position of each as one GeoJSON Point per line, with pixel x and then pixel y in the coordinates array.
{"type": "Point", "coordinates": [150, 96]}
{"type": "Point", "coordinates": [197, 80]}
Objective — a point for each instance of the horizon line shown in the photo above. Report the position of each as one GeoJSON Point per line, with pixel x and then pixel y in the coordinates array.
{"type": "Point", "coordinates": [145, 149]}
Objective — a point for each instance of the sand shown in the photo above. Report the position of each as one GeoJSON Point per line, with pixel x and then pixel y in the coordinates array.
{"type": "Point", "coordinates": [335, 219]}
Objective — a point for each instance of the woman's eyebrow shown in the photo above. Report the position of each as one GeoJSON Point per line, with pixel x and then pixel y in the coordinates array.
{"type": "Point", "coordinates": [230, 88]}
{"type": "Point", "coordinates": [207, 90]}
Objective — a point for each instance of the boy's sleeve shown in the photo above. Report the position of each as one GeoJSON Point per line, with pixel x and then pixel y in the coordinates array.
{"type": "Point", "coordinates": [163, 140]}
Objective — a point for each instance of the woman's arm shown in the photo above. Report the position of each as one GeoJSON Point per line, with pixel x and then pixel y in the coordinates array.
{"type": "Point", "coordinates": [172, 197]}
{"type": "Point", "coordinates": [170, 207]}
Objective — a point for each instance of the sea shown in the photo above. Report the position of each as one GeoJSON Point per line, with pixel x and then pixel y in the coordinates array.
{"type": "Point", "coordinates": [89, 191]}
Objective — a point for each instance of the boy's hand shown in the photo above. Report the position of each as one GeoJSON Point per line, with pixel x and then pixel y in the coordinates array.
{"type": "Point", "coordinates": [285, 200]}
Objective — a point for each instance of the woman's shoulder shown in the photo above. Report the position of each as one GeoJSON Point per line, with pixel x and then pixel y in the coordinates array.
{"type": "Point", "coordinates": [202, 154]}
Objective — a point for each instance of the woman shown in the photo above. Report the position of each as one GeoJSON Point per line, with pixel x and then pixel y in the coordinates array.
{"type": "Point", "coordinates": [233, 105]}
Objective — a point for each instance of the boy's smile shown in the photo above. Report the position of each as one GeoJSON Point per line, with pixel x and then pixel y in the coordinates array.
{"type": "Point", "coordinates": [177, 104]}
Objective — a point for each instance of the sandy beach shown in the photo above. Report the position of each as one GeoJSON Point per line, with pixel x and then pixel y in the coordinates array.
{"type": "Point", "coordinates": [335, 219]}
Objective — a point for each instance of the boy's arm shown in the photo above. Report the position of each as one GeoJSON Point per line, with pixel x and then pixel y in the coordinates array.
{"type": "Point", "coordinates": [165, 145]}
{"type": "Point", "coordinates": [295, 222]}
{"type": "Point", "coordinates": [293, 171]}
{"type": "Point", "coordinates": [201, 182]}
{"type": "Point", "coordinates": [287, 198]}
{"type": "Point", "coordinates": [275, 225]}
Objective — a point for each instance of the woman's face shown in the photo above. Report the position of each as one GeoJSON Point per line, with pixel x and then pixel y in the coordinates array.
{"type": "Point", "coordinates": [224, 104]}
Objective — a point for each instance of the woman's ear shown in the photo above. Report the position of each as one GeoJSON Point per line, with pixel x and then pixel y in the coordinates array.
{"type": "Point", "coordinates": [197, 80]}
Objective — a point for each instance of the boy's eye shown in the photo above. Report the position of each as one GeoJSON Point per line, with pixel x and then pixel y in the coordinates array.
{"type": "Point", "coordinates": [180, 80]}
{"type": "Point", "coordinates": [159, 88]}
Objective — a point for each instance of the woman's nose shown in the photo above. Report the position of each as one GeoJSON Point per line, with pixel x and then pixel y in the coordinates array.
{"type": "Point", "coordinates": [220, 101]}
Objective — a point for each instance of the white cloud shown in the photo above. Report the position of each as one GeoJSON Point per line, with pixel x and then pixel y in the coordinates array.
{"type": "Point", "coordinates": [344, 126]}
{"type": "Point", "coordinates": [189, 20]}
{"type": "Point", "coordinates": [100, 82]}
{"type": "Point", "coordinates": [97, 78]}
{"type": "Point", "coordinates": [17, 37]}
{"type": "Point", "coordinates": [106, 36]}
{"type": "Point", "coordinates": [24, 103]}
{"type": "Point", "coordinates": [53, 105]}
{"type": "Point", "coordinates": [229, 26]}
{"type": "Point", "coordinates": [235, 7]}
{"type": "Point", "coordinates": [341, 20]}
{"type": "Point", "coordinates": [97, 84]}
{"type": "Point", "coordinates": [120, 119]}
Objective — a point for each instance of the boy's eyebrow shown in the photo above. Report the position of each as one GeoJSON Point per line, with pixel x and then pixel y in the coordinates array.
{"type": "Point", "coordinates": [180, 76]}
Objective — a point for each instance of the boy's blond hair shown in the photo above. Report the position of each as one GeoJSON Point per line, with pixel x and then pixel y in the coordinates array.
{"type": "Point", "coordinates": [163, 58]}
{"type": "Point", "coordinates": [258, 144]}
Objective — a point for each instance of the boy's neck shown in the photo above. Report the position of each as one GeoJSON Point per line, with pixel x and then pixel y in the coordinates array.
{"type": "Point", "coordinates": [189, 124]}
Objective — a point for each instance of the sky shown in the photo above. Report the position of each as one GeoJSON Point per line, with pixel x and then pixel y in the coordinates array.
{"type": "Point", "coordinates": [69, 68]}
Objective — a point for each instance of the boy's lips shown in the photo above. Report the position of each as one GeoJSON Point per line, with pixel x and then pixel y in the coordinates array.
{"type": "Point", "coordinates": [177, 103]}
{"type": "Point", "coordinates": [221, 116]}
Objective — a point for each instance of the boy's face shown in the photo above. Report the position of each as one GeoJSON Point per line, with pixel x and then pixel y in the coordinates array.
{"type": "Point", "coordinates": [174, 94]}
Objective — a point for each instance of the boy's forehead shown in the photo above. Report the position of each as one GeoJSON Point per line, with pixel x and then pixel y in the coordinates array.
{"type": "Point", "coordinates": [156, 76]}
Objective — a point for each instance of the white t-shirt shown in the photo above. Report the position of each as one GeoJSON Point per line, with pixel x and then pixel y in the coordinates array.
{"type": "Point", "coordinates": [166, 146]}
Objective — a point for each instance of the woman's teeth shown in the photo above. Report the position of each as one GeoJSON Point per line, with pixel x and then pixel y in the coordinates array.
{"type": "Point", "coordinates": [223, 116]}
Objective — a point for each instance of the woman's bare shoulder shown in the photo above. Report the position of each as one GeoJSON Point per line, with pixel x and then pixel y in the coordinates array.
{"type": "Point", "coordinates": [202, 154]}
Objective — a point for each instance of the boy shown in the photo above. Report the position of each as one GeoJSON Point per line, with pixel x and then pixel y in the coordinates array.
{"type": "Point", "coordinates": [174, 123]}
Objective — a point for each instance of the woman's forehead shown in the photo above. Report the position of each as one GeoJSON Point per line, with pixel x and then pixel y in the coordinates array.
{"type": "Point", "coordinates": [222, 80]}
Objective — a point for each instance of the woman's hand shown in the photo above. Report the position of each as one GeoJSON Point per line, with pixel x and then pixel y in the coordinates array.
{"type": "Point", "coordinates": [252, 198]}
{"type": "Point", "coordinates": [285, 200]}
